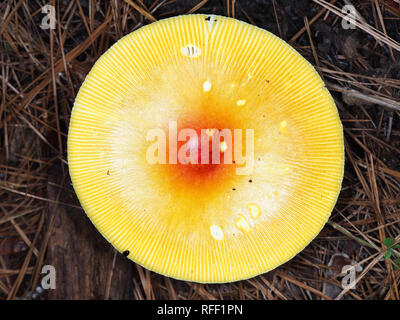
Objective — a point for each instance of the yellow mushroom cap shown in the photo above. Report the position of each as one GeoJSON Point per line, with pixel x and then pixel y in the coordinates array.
{"type": "Point", "coordinates": [195, 222]}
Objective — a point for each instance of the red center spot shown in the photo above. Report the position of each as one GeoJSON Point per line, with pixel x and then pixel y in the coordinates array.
{"type": "Point", "coordinates": [203, 151]}
{"type": "Point", "coordinates": [196, 164]}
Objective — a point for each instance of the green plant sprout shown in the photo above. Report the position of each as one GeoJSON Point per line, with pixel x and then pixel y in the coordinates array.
{"type": "Point", "coordinates": [389, 243]}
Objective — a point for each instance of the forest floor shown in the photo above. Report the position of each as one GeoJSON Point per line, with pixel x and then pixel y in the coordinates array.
{"type": "Point", "coordinates": [41, 72]}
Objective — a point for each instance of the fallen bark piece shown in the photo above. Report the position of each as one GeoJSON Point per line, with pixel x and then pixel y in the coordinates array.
{"type": "Point", "coordinates": [87, 266]}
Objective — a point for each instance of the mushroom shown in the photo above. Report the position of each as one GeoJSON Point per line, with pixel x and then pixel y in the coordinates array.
{"type": "Point", "coordinates": [193, 220]}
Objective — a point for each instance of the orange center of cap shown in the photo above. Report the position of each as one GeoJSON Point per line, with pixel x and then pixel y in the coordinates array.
{"type": "Point", "coordinates": [200, 155]}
